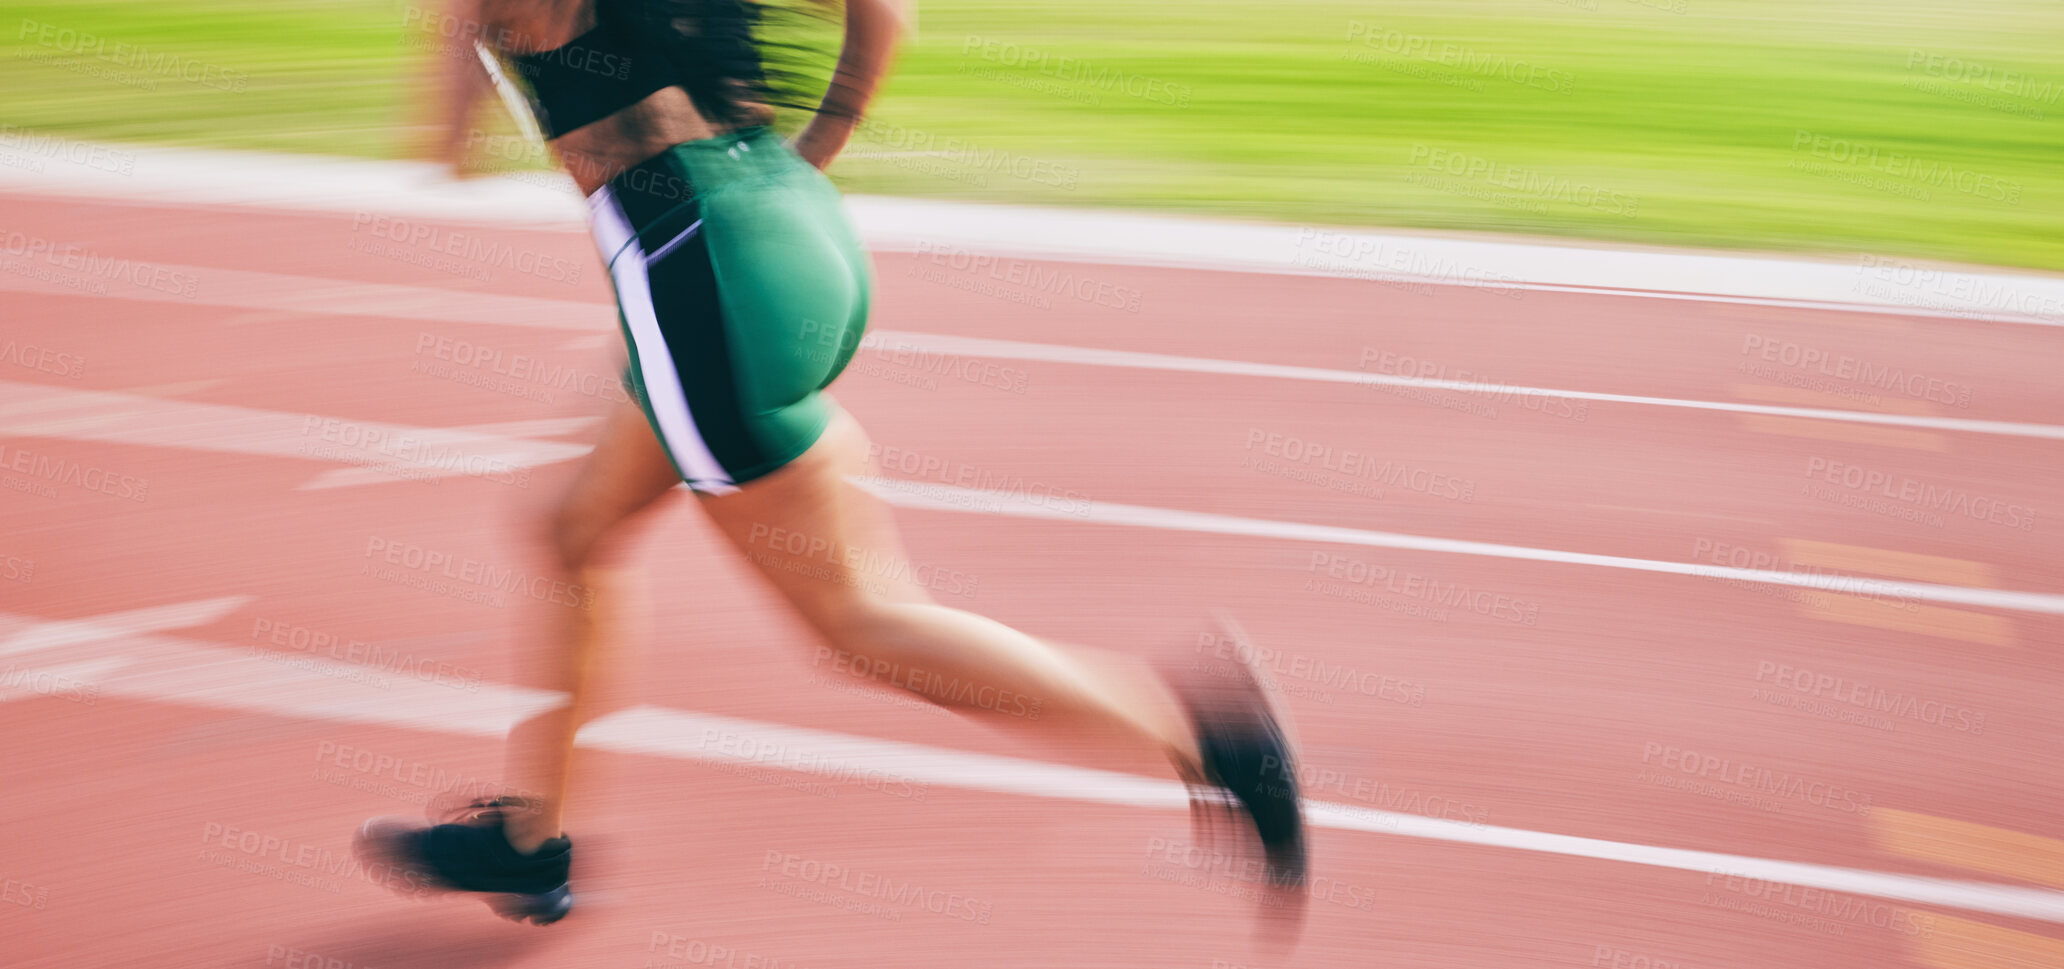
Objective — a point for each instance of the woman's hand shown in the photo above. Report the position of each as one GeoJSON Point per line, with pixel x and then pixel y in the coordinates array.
{"type": "Point", "coordinates": [822, 139]}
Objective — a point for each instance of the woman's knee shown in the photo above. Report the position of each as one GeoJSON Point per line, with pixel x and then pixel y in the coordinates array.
{"type": "Point", "coordinates": [570, 534]}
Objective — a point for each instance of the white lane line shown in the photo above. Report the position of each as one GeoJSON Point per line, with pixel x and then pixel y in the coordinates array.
{"type": "Point", "coordinates": [57, 633]}
{"type": "Point", "coordinates": [168, 669]}
{"type": "Point", "coordinates": [403, 451]}
{"type": "Point", "coordinates": [285, 295]}
{"type": "Point", "coordinates": [943, 497]}
{"type": "Point", "coordinates": [301, 294]}
{"type": "Point", "coordinates": [901, 341]}
{"type": "Point", "coordinates": [687, 735]}
{"type": "Point", "coordinates": [190, 176]}
{"type": "Point", "coordinates": [381, 451]}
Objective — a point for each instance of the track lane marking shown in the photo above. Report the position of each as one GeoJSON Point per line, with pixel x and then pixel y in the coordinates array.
{"type": "Point", "coordinates": [1885, 561]}
{"type": "Point", "coordinates": [186, 177]}
{"type": "Point", "coordinates": [169, 669]}
{"type": "Point", "coordinates": [1971, 846]}
{"type": "Point", "coordinates": [36, 636]}
{"type": "Point", "coordinates": [1845, 433]}
{"type": "Point", "coordinates": [941, 497]}
{"type": "Point", "coordinates": [1962, 625]}
{"type": "Point", "coordinates": [1087, 356]}
{"type": "Point", "coordinates": [382, 450]}
{"type": "Point", "coordinates": [314, 295]}
{"type": "Point", "coordinates": [1956, 943]}
{"type": "Point", "coordinates": [41, 410]}
{"type": "Point", "coordinates": [1767, 394]}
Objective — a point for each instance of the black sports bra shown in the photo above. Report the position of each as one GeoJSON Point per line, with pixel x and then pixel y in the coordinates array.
{"type": "Point", "coordinates": [594, 75]}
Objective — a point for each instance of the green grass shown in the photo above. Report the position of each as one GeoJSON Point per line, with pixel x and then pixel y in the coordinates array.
{"type": "Point", "coordinates": [1644, 125]}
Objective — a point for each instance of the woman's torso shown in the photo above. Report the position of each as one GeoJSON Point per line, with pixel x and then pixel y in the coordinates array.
{"type": "Point", "coordinates": [604, 89]}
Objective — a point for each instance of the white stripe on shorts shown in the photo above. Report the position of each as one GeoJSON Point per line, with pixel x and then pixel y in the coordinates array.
{"type": "Point", "coordinates": [628, 267]}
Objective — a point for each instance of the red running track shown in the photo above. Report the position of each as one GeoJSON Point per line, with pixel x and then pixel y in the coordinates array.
{"type": "Point", "coordinates": [1541, 696]}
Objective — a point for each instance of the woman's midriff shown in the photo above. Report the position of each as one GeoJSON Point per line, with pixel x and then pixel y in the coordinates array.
{"type": "Point", "coordinates": [593, 154]}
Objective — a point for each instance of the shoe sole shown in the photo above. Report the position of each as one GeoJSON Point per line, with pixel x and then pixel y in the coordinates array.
{"type": "Point", "coordinates": [378, 843]}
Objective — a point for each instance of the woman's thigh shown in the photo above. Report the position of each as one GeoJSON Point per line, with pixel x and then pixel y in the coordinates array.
{"type": "Point", "coordinates": [823, 542]}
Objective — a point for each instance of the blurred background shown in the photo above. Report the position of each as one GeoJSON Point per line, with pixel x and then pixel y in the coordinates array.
{"type": "Point", "coordinates": [1725, 123]}
{"type": "Point", "coordinates": [1626, 433]}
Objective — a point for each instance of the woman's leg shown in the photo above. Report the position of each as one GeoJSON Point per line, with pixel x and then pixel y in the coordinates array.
{"type": "Point", "coordinates": [831, 550]}
{"type": "Point", "coordinates": [626, 473]}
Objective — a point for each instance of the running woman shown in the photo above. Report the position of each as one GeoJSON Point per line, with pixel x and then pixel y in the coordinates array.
{"type": "Point", "coordinates": [732, 260]}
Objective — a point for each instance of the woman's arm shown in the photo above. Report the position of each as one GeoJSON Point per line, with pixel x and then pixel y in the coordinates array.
{"type": "Point", "coordinates": [454, 79]}
{"type": "Point", "coordinates": [872, 29]}
{"type": "Point", "coordinates": [456, 73]}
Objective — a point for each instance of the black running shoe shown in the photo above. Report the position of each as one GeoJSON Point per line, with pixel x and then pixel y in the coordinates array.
{"type": "Point", "coordinates": [470, 853]}
{"type": "Point", "coordinates": [1247, 756]}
